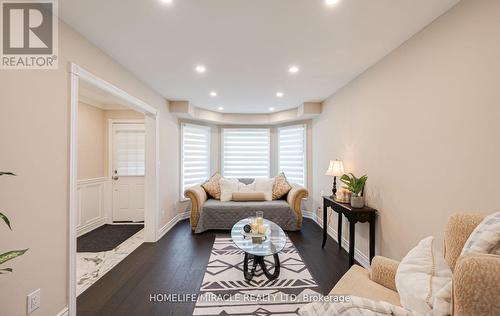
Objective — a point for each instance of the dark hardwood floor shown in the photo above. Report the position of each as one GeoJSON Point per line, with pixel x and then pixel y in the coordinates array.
{"type": "Point", "coordinates": [176, 264]}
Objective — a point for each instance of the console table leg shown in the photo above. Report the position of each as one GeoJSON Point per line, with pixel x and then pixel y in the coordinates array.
{"type": "Point", "coordinates": [372, 238]}
{"type": "Point", "coordinates": [352, 233]}
{"type": "Point", "coordinates": [339, 231]}
{"type": "Point", "coordinates": [325, 224]}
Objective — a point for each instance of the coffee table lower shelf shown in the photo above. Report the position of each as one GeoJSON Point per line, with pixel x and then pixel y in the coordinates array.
{"type": "Point", "coordinates": [259, 260]}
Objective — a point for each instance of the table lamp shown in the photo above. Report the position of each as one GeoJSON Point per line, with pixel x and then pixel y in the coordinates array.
{"type": "Point", "coordinates": [335, 169]}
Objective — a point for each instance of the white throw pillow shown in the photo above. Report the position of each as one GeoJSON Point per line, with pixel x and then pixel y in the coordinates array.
{"type": "Point", "coordinates": [422, 273]}
{"type": "Point", "coordinates": [246, 187]}
{"type": "Point", "coordinates": [265, 185]}
{"type": "Point", "coordinates": [227, 187]}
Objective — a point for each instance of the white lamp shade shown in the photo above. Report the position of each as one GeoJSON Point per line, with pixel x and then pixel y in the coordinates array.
{"type": "Point", "coordinates": [336, 168]}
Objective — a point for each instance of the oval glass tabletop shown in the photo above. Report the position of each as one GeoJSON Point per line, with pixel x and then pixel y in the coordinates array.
{"type": "Point", "coordinates": [275, 239]}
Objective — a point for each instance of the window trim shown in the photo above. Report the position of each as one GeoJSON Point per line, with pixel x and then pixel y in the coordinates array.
{"type": "Point", "coordinates": [181, 145]}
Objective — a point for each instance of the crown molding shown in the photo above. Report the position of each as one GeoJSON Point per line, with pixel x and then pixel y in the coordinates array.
{"type": "Point", "coordinates": [185, 110]}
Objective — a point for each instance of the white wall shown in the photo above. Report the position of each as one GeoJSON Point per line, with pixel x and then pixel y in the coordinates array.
{"type": "Point", "coordinates": [424, 125]}
{"type": "Point", "coordinates": [34, 139]}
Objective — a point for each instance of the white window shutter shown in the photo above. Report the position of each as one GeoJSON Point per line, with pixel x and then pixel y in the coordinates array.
{"type": "Point", "coordinates": [246, 152]}
{"type": "Point", "coordinates": [130, 152]}
{"type": "Point", "coordinates": [292, 153]}
{"type": "Point", "coordinates": [195, 155]}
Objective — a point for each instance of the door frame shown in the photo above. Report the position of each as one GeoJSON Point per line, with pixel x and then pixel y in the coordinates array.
{"type": "Point", "coordinates": [110, 158]}
{"type": "Point", "coordinates": [151, 178]}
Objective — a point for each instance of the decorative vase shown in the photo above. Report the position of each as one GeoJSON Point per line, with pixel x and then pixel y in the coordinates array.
{"type": "Point", "coordinates": [357, 201]}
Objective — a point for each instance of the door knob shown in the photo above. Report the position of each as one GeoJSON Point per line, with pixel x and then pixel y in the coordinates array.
{"type": "Point", "coordinates": [115, 178]}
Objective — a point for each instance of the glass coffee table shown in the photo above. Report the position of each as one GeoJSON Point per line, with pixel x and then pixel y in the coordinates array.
{"type": "Point", "coordinates": [274, 241]}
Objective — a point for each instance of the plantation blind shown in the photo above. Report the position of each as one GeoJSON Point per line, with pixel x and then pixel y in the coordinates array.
{"type": "Point", "coordinates": [195, 155]}
{"type": "Point", "coordinates": [129, 142]}
{"type": "Point", "coordinates": [246, 152]}
{"type": "Point", "coordinates": [292, 153]}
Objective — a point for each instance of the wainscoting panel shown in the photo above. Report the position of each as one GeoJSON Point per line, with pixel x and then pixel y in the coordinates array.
{"type": "Point", "coordinates": [94, 207]}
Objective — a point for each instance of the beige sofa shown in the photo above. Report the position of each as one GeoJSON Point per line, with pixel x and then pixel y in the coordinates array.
{"type": "Point", "coordinates": [476, 277]}
{"type": "Point", "coordinates": [290, 204]}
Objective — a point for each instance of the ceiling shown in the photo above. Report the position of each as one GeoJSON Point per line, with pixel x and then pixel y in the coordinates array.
{"type": "Point", "coordinates": [248, 46]}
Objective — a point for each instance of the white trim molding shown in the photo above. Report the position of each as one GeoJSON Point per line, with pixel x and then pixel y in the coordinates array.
{"type": "Point", "coordinates": [359, 256]}
{"type": "Point", "coordinates": [186, 111]}
{"type": "Point", "coordinates": [168, 226]}
{"type": "Point", "coordinates": [64, 312]}
{"type": "Point", "coordinates": [94, 204]}
{"type": "Point", "coordinates": [151, 188]}
{"type": "Point", "coordinates": [130, 100]}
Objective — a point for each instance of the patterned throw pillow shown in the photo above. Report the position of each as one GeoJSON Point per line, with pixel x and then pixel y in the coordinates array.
{"type": "Point", "coordinates": [281, 186]}
{"type": "Point", "coordinates": [486, 236]}
{"type": "Point", "coordinates": [212, 186]}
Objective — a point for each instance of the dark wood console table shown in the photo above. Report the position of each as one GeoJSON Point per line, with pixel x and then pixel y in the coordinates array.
{"type": "Point", "coordinates": [353, 215]}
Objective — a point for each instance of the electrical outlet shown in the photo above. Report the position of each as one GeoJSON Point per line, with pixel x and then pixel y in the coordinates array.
{"type": "Point", "coordinates": [33, 301]}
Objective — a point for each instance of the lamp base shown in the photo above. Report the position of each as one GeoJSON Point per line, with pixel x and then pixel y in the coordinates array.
{"type": "Point", "coordinates": [334, 189]}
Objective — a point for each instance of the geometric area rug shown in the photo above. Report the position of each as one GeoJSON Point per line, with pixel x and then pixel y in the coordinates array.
{"type": "Point", "coordinates": [224, 290]}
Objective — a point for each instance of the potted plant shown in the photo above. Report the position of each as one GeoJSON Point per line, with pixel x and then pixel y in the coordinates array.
{"type": "Point", "coordinates": [356, 186]}
{"type": "Point", "coordinates": [9, 255]}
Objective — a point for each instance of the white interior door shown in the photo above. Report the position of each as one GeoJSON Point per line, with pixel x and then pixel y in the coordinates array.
{"type": "Point", "coordinates": [128, 171]}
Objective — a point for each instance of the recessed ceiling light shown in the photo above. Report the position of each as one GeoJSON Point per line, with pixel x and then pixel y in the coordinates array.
{"type": "Point", "coordinates": [280, 94]}
{"type": "Point", "coordinates": [166, 1]}
{"type": "Point", "coordinates": [293, 69]}
{"type": "Point", "coordinates": [271, 109]}
{"type": "Point", "coordinates": [220, 108]}
{"type": "Point", "coordinates": [213, 94]}
{"type": "Point", "coordinates": [332, 2]}
{"type": "Point", "coordinates": [200, 69]}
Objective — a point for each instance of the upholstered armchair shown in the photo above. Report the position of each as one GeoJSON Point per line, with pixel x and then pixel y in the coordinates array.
{"type": "Point", "coordinates": [476, 277]}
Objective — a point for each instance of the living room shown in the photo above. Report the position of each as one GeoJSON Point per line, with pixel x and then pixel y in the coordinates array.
{"type": "Point", "coordinates": [260, 121]}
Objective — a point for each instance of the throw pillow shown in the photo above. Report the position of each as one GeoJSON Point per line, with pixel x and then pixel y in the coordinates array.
{"type": "Point", "coordinates": [265, 185]}
{"type": "Point", "coordinates": [281, 186]}
{"type": "Point", "coordinates": [248, 196]}
{"type": "Point", "coordinates": [485, 238]}
{"type": "Point", "coordinates": [227, 187]}
{"type": "Point", "coordinates": [212, 186]}
{"type": "Point", "coordinates": [358, 306]}
{"type": "Point", "coordinates": [442, 301]}
{"type": "Point", "coordinates": [422, 273]}
{"type": "Point", "coordinates": [246, 187]}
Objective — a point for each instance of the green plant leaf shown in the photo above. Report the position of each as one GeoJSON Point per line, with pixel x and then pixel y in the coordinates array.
{"type": "Point", "coordinates": [6, 173]}
{"type": "Point", "coordinates": [4, 257]}
{"type": "Point", "coordinates": [6, 269]}
{"type": "Point", "coordinates": [5, 219]}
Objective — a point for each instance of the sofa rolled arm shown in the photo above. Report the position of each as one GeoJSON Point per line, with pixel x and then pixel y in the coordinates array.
{"type": "Point", "coordinates": [198, 196]}
{"type": "Point", "coordinates": [383, 272]}
{"type": "Point", "coordinates": [294, 198]}
{"type": "Point", "coordinates": [476, 285]}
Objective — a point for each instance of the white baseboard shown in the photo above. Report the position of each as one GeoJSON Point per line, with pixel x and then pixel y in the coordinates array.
{"type": "Point", "coordinates": [177, 218]}
{"type": "Point", "coordinates": [359, 256]}
{"type": "Point", "coordinates": [82, 230]}
{"type": "Point", "coordinates": [64, 312]}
